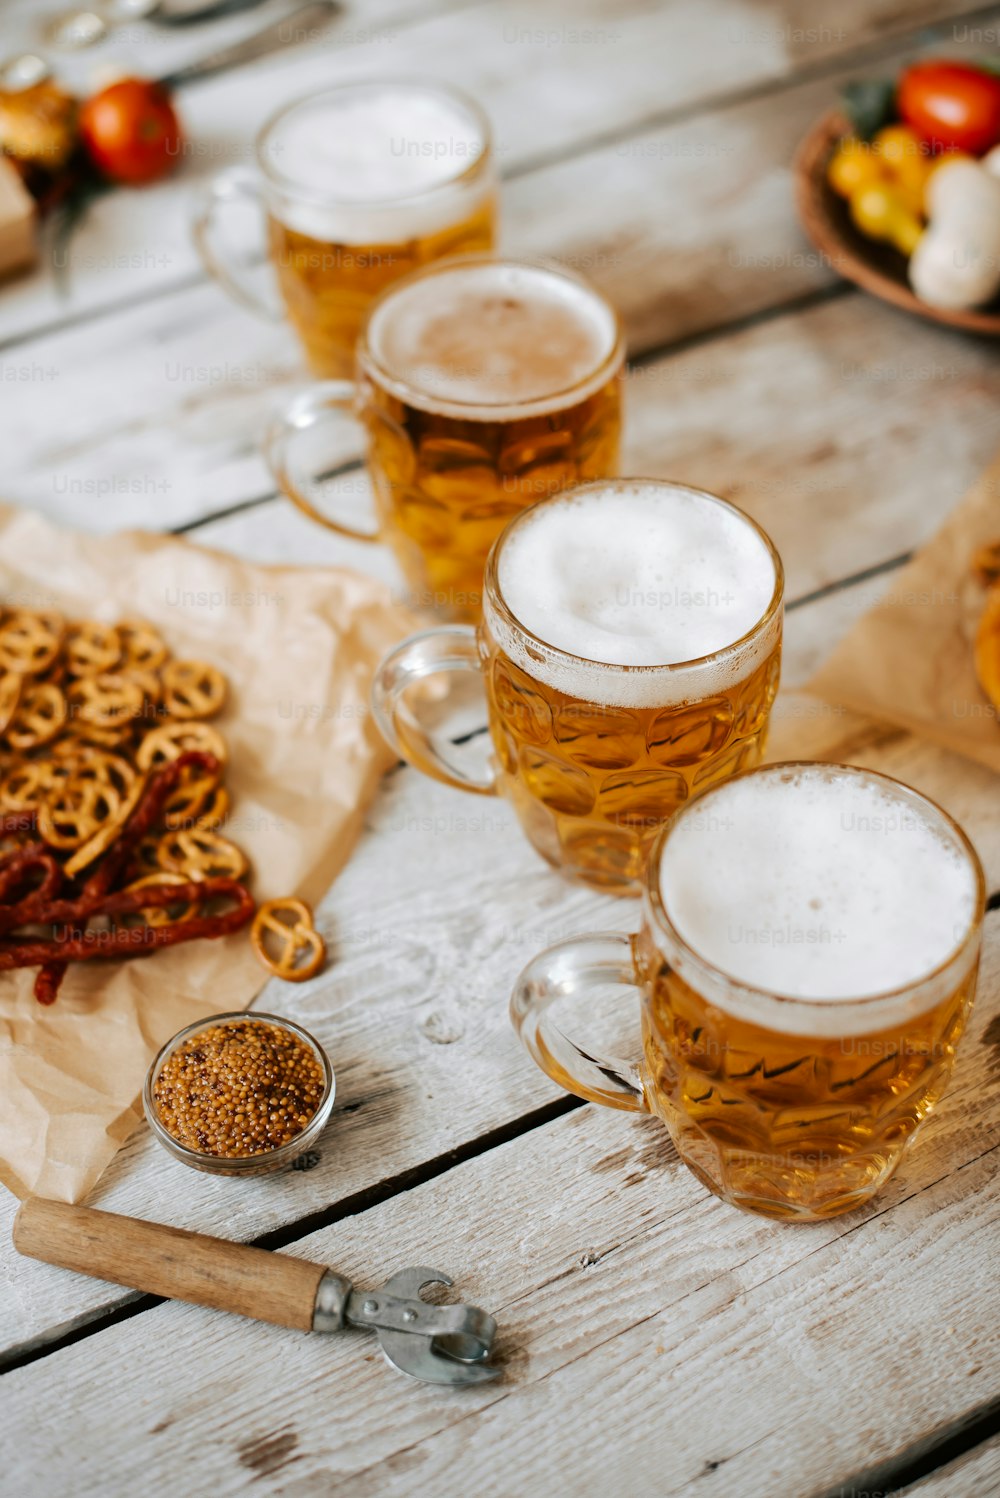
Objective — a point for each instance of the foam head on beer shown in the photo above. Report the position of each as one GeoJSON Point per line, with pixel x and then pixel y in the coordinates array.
{"type": "Point", "coordinates": [818, 883]}
{"type": "Point", "coordinates": [637, 575]}
{"type": "Point", "coordinates": [492, 337]}
{"type": "Point", "coordinates": [360, 153]}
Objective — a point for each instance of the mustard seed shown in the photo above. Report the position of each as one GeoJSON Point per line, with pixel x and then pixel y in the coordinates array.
{"type": "Point", "coordinates": [238, 1089]}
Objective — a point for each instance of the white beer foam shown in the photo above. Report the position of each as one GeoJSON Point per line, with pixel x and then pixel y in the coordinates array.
{"type": "Point", "coordinates": [363, 151]}
{"type": "Point", "coordinates": [815, 883]}
{"type": "Point", "coordinates": [640, 576]}
{"type": "Point", "coordinates": [489, 337]}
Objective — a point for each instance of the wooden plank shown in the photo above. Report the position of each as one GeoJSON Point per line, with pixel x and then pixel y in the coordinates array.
{"type": "Point", "coordinates": [552, 85]}
{"type": "Point", "coordinates": [650, 1334]}
{"type": "Point", "coordinates": [974, 1475]}
{"type": "Point", "coordinates": [440, 906]}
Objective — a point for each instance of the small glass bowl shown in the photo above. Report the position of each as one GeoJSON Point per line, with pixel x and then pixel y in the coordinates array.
{"type": "Point", "coordinates": [241, 1165]}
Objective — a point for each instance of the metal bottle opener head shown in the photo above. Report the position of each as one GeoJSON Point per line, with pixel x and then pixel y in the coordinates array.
{"type": "Point", "coordinates": [438, 1344]}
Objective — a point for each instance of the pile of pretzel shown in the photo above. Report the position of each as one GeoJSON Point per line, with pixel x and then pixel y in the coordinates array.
{"type": "Point", "coordinates": [986, 570]}
{"type": "Point", "coordinates": [111, 796]}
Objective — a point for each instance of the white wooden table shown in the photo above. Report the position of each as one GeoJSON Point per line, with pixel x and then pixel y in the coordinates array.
{"type": "Point", "coordinates": [652, 1337]}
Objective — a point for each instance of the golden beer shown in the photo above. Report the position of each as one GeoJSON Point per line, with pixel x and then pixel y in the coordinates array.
{"type": "Point", "coordinates": [807, 964]}
{"type": "Point", "coordinates": [483, 386]}
{"type": "Point", "coordinates": [361, 184]}
{"type": "Point", "coordinates": [329, 286]}
{"type": "Point", "coordinates": [488, 385]}
{"type": "Point", "coordinates": [597, 755]}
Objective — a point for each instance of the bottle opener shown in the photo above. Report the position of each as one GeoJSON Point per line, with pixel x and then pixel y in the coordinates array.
{"type": "Point", "coordinates": [447, 1344]}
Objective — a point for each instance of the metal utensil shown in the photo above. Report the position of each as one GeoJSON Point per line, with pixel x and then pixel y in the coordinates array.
{"type": "Point", "coordinates": [292, 29]}
{"type": "Point", "coordinates": [446, 1344]}
{"type": "Point", "coordinates": [176, 12]}
{"type": "Point", "coordinates": [289, 30]}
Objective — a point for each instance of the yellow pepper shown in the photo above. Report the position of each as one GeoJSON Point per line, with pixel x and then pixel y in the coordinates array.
{"type": "Point", "coordinates": [853, 165]}
{"type": "Point", "coordinates": [882, 212]}
{"type": "Point", "coordinates": [907, 162]}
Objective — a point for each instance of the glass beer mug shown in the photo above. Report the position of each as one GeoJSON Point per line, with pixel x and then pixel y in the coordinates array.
{"type": "Point", "coordinates": [630, 650]}
{"type": "Point", "coordinates": [806, 965]}
{"type": "Point", "coordinates": [482, 385]}
{"type": "Point", "coordinates": [361, 183]}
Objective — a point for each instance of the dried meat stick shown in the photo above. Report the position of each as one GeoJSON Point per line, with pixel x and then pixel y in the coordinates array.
{"type": "Point", "coordinates": [39, 951]}
{"type": "Point", "coordinates": [50, 976]}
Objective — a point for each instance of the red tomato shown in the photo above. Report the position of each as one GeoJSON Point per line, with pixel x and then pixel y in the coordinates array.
{"type": "Point", "coordinates": [131, 131]}
{"type": "Point", "coordinates": [951, 106]}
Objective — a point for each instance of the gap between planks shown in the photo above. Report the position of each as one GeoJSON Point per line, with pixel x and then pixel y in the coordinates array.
{"type": "Point", "coordinates": [290, 1233]}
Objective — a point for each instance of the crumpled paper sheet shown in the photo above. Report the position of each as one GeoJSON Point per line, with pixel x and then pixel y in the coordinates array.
{"type": "Point", "coordinates": [299, 648]}
{"type": "Point", "coordinates": [909, 660]}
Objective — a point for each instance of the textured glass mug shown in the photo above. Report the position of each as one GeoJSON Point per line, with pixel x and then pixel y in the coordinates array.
{"type": "Point", "coordinates": [789, 1107]}
{"type": "Point", "coordinates": [333, 254]}
{"type": "Point", "coordinates": [448, 474]}
{"type": "Point", "coordinates": [592, 784]}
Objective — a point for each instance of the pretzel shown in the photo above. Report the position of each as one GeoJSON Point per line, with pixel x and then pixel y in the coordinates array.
{"type": "Point", "coordinates": [10, 696]}
{"type": "Point", "coordinates": [165, 743]}
{"type": "Point", "coordinates": [77, 811]}
{"type": "Point", "coordinates": [102, 839]}
{"type": "Point", "coordinates": [106, 701]}
{"type": "Point", "coordinates": [201, 853]}
{"type": "Point", "coordinates": [986, 564]}
{"type": "Point", "coordinates": [92, 648]}
{"type": "Point", "coordinates": [24, 787]}
{"type": "Point", "coordinates": [142, 648]}
{"type": "Point", "coordinates": [215, 810]}
{"type": "Point", "coordinates": [29, 642]}
{"type": "Point", "coordinates": [149, 684]}
{"type": "Point", "coordinates": [192, 689]}
{"type": "Point", "coordinates": [298, 937]}
{"type": "Point", "coordinates": [183, 805]}
{"type": "Point", "coordinates": [987, 648]}
{"type": "Point", "coordinates": [103, 768]}
{"type": "Point", "coordinates": [40, 716]}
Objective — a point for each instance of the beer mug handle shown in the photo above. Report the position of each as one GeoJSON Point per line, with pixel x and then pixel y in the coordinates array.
{"type": "Point", "coordinates": [433, 652]}
{"type": "Point", "coordinates": [563, 971]}
{"type": "Point", "coordinates": [312, 409]}
{"type": "Point", "coordinates": [230, 187]}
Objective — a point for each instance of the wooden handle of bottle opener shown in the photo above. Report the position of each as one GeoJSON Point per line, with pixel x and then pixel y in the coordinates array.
{"type": "Point", "coordinates": [170, 1262]}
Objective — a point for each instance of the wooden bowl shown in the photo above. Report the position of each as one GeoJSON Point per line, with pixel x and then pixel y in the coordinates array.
{"type": "Point", "coordinates": [877, 268]}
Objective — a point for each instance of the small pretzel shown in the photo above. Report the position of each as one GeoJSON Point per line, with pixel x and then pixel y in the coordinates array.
{"type": "Point", "coordinates": [24, 787]}
{"type": "Point", "coordinates": [92, 648]}
{"type": "Point", "coordinates": [162, 915]}
{"type": "Point", "coordinates": [142, 648]}
{"type": "Point", "coordinates": [76, 813]}
{"type": "Point", "coordinates": [201, 853]}
{"type": "Point", "coordinates": [106, 701]}
{"type": "Point", "coordinates": [29, 642]}
{"type": "Point", "coordinates": [216, 809]}
{"type": "Point", "coordinates": [104, 769]}
{"type": "Point", "coordinates": [165, 743]}
{"type": "Point", "coordinates": [184, 806]}
{"type": "Point", "coordinates": [106, 835]}
{"type": "Point", "coordinates": [192, 689]}
{"type": "Point", "coordinates": [986, 564]}
{"type": "Point", "coordinates": [40, 716]}
{"type": "Point", "coordinates": [10, 696]}
{"type": "Point", "coordinates": [150, 686]}
{"type": "Point", "coordinates": [291, 922]}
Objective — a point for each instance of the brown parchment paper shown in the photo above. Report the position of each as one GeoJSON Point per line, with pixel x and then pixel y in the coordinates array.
{"type": "Point", "coordinates": [299, 647]}
{"type": "Point", "coordinates": [909, 660]}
